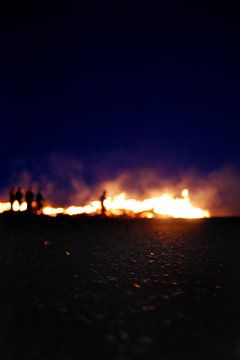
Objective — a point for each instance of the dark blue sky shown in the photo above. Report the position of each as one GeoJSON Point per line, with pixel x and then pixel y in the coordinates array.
{"type": "Point", "coordinates": [155, 84]}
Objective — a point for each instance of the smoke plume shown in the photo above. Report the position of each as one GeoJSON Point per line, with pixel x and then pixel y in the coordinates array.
{"type": "Point", "coordinates": [66, 180]}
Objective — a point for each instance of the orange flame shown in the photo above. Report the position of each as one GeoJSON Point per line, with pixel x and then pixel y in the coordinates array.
{"type": "Point", "coordinates": [163, 206]}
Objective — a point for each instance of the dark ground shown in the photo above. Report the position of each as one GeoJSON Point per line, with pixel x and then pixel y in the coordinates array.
{"type": "Point", "coordinates": [85, 288]}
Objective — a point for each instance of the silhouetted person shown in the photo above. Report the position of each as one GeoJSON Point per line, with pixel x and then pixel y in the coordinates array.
{"type": "Point", "coordinates": [102, 199]}
{"type": "Point", "coordinates": [12, 196]}
{"type": "Point", "coordinates": [40, 201]}
{"type": "Point", "coordinates": [29, 199]}
{"type": "Point", "coordinates": [19, 196]}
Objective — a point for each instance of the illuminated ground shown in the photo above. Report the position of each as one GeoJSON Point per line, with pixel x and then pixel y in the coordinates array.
{"type": "Point", "coordinates": [78, 288]}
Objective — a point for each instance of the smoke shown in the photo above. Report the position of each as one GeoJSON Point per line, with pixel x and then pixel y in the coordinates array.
{"type": "Point", "coordinates": [219, 191]}
{"type": "Point", "coordinates": [67, 180]}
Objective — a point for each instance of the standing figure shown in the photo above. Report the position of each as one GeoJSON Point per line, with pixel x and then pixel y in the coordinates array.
{"type": "Point", "coordinates": [29, 199]}
{"type": "Point", "coordinates": [102, 199]}
{"type": "Point", "coordinates": [12, 196]}
{"type": "Point", "coordinates": [40, 201]}
{"type": "Point", "coordinates": [19, 196]}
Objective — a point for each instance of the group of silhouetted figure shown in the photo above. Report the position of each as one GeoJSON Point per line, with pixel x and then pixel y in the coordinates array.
{"type": "Point", "coordinates": [19, 196]}
{"type": "Point", "coordinates": [35, 202]}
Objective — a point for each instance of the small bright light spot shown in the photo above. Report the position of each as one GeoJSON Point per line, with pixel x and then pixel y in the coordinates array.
{"type": "Point", "coordinates": [185, 193]}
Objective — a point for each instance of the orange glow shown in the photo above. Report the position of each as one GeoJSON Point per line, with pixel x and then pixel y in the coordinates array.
{"type": "Point", "coordinates": [163, 206]}
{"type": "Point", "coordinates": [5, 206]}
{"type": "Point", "coordinates": [22, 207]}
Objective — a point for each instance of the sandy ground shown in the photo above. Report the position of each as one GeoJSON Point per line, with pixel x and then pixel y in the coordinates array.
{"type": "Point", "coordinates": [89, 288]}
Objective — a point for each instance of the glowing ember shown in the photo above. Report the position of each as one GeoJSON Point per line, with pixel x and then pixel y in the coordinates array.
{"type": "Point", "coordinates": [163, 206]}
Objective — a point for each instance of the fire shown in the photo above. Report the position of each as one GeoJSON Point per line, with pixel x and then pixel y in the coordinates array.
{"type": "Point", "coordinates": [163, 206]}
{"type": "Point", "coordinates": [6, 206]}
{"type": "Point", "coordinates": [17, 207]}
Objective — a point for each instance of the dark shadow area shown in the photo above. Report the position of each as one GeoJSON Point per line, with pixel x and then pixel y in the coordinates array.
{"type": "Point", "coordinates": [91, 287]}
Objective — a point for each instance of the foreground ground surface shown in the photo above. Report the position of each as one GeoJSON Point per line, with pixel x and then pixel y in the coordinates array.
{"type": "Point", "coordinates": [78, 288]}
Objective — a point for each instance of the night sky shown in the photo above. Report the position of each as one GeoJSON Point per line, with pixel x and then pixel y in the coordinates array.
{"type": "Point", "coordinates": [131, 85]}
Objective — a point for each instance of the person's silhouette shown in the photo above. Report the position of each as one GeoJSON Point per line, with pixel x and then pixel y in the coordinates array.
{"type": "Point", "coordinates": [12, 196]}
{"type": "Point", "coordinates": [102, 199]}
{"type": "Point", "coordinates": [40, 201]}
{"type": "Point", "coordinates": [19, 196]}
{"type": "Point", "coordinates": [29, 199]}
